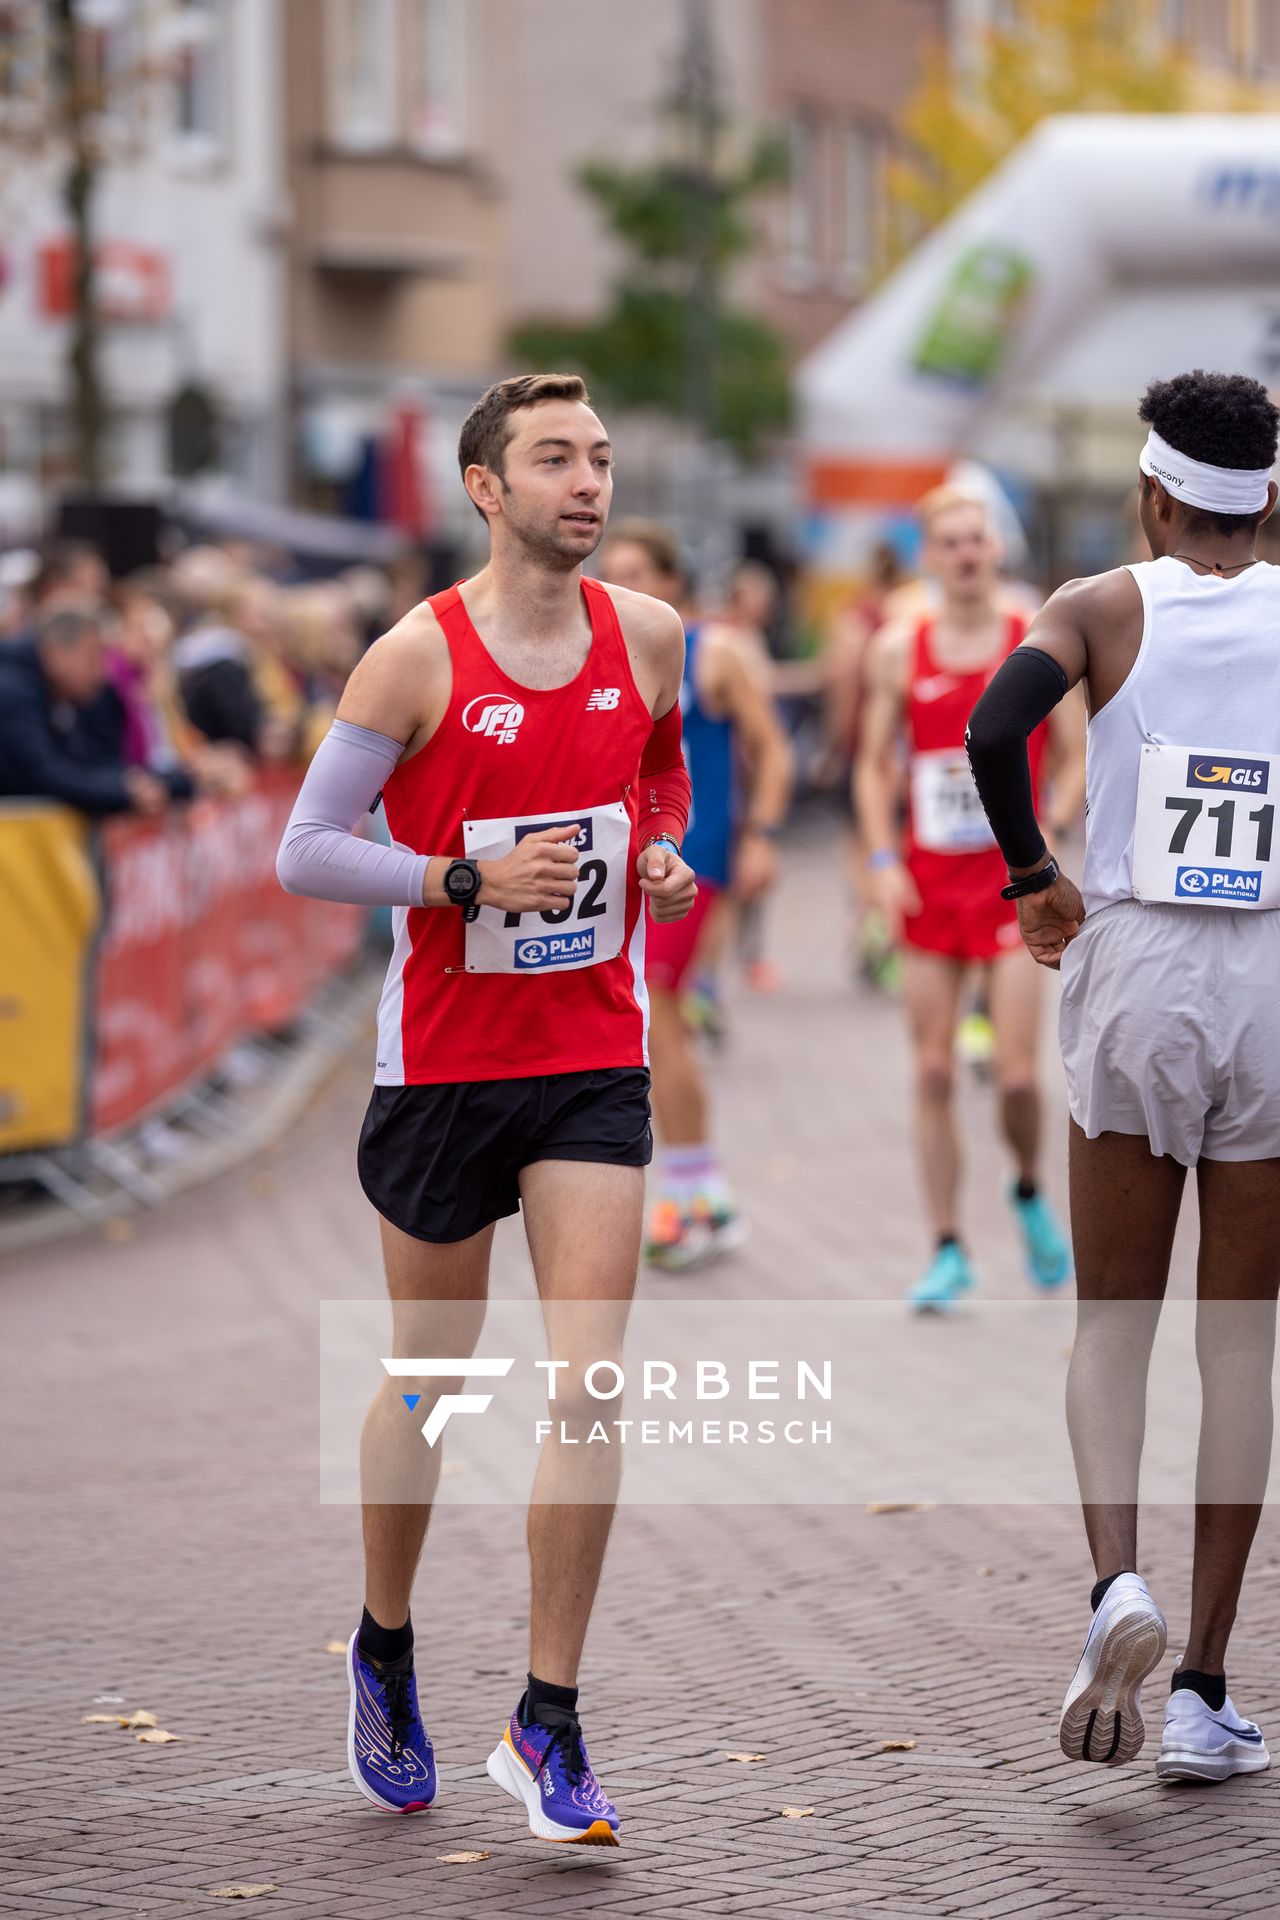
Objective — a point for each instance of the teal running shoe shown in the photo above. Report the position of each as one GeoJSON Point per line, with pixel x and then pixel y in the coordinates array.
{"type": "Point", "coordinates": [1043, 1241]}
{"type": "Point", "coordinates": [948, 1278]}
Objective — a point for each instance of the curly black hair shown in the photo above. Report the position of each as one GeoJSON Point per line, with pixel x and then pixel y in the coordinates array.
{"type": "Point", "coordinates": [1225, 419]}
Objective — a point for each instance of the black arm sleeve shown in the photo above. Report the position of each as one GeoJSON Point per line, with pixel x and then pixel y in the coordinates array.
{"type": "Point", "coordinates": [1023, 693]}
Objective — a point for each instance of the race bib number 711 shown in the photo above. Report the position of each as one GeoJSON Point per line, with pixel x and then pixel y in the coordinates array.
{"type": "Point", "coordinates": [1205, 828]}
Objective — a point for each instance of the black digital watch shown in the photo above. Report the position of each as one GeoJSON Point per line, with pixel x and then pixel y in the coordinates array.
{"type": "Point", "coordinates": [1038, 882]}
{"type": "Point", "coordinates": [461, 884]}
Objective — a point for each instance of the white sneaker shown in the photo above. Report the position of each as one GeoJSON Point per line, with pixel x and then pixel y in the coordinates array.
{"type": "Point", "coordinates": [1102, 1713]}
{"type": "Point", "coordinates": [1200, 1744]}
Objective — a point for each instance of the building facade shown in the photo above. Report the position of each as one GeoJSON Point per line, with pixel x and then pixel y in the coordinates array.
{"type": "Point", "coordinates": [189, 215]}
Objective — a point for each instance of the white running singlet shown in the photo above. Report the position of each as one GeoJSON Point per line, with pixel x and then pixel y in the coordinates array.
{"type": "Point", "coordinates": [1194, 822]}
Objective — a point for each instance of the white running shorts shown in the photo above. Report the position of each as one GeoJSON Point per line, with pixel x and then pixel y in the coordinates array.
{"type": "Point", "coordinates": [1170, 1027]}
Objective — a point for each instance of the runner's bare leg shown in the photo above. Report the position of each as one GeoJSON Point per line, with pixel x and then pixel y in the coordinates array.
{"type": "Point", "coordinates": [430, 1287]}
{"type": "Point", "coordinates": [1124, 1209]}
{"type": "Point", "coordinates": [584, 1225]}
{"type": "Point", "coordinates": [931, 996]}
{"type": "Point", "coordinates": [678, 1091]}
{"type": "Point", "coordinates": [1237, 1279]}
{"type": "Point", "coordinates": [1014, 986]}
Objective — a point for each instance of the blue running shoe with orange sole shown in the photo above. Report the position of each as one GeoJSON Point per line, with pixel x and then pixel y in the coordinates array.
{"type": "Point", "coordinates": [547, 1769]}
{"type": "Point", "coordinates": [388, 1751]}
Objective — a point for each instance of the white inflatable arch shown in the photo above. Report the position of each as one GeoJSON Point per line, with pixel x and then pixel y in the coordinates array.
{"type": "Point", "coordinates": [1089, 207]}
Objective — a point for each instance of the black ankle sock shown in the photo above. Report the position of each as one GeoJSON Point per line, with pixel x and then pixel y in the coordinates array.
{"type": "Point", "coordinates": [384, 1644]}
{"type": "Point", "coordinates": [948, 1240]}
{"type": "Point", "coordinates": [1212, 1687]}
{"type": "Point", "coordinates": [549, 1706]}
{"type": "Point", "coordinates": [1027, 1189]}
{"type": "Point", "coordinates": [1095, 1598]}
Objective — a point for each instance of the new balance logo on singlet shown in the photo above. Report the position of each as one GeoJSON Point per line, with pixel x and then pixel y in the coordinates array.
{"type": "Point", "coordinates": [604, 699]}
{"type": "Point", "coordinates": [493, 716]}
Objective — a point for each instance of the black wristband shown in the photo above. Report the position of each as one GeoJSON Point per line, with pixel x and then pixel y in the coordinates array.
{"type": "Point", "coordinates": [1032, 882]}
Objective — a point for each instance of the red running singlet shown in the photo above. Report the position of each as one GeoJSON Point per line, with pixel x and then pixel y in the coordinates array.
{"type": "Point", "coordinates": [949, 846]}
{"type": "Point", "coordinates": [508, 995]}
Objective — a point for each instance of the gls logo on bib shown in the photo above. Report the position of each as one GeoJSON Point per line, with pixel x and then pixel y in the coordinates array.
{"type": "Point", "coordinates": [1222, 772]}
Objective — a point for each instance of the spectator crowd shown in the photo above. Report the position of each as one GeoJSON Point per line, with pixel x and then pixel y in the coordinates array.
{"type": "Point", "coordinates": [123, 696]}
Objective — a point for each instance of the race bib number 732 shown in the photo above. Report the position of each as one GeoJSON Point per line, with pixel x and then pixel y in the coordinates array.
{"type": "Point", "coordinates": [587, 929]}
{"type": "Point", "coordinates": [1205, 827]}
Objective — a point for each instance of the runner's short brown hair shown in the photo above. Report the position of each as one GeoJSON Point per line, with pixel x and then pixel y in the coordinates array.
{"type": "Point", "coordinates": [487, 428]}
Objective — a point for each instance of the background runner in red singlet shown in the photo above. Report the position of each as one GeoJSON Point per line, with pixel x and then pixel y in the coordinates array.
{"type": "Point", "coordinates": [940, 893]}
{"type": "Point", "coordinates": [533, 800]}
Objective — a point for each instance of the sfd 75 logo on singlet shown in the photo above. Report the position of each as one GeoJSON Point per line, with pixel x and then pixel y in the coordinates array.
{"type": "Point", "coordinates": [493, 716]}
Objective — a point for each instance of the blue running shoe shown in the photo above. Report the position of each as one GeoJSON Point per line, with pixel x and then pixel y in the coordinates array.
{"type": "Point", "coordinates": [948, 1278]}
{"type": "Point", "coordinates": [1043, 1241]}
{"type": "Point", "coordinates": [547, 1768]}
{"type": "Point", "coordinates": [387, 1746]}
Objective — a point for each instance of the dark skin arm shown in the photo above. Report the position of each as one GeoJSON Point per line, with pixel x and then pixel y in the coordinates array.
{"type": "Point", "coordinates": [1093, 629]}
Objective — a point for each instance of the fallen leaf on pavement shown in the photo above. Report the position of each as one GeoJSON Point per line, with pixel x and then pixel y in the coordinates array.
{"type": "Point", "coordinates": [241, 1893]}
{"type": "Point", "coordinates": [460, 1859]}
{"type": "Point", "coordinates": [157, 1737]}
{"type": "Point", "coordinates": [138, 1719]}
{"type": "Point", "coordinates": [100, 1720]}
{"type": "Point", "coordinates": [986, 1572]}
{"type": "Point", "coordinates": [335, 1646]}
{"type": "Point", "coordinates": [746, 1758]}
{"type": "Point", "coordinates": [897, 1746]}
{"type": "Point", "coordinates": [796, 1813]}
{"type": "Point", "coordinates": [901, 1506]}
{"type": "Point", "coordinates": [119, 1231]}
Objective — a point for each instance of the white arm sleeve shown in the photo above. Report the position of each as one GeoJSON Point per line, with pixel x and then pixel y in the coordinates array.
{"type": "Point", "coordinates": [321, 854]}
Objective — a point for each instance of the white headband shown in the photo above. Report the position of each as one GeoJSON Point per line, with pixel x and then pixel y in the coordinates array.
{"type": "Point", "coordinates": [1196, 484]}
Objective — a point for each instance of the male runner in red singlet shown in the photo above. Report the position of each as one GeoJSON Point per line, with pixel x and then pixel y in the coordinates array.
{"type": "Point", "coordinates": [524, 732]}
{"type": "Point", "coordinates": [937, 894]}
{"type": "Point", "coordinates": [740, 765]}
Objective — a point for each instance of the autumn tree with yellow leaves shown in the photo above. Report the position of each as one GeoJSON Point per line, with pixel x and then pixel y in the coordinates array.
{"type": "Point", "coordinates": [1054, 56]}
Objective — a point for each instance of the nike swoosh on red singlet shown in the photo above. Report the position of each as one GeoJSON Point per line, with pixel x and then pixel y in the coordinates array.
{"type": "Point", "coordinates": [936, 687]}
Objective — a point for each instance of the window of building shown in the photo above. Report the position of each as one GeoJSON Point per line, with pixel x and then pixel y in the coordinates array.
{"type": "Point", "coordinates": [199, 33]}
{"type": "Point", "coordinates": [860, 179]}
{"type": "Point", "coordinates": [22, 65]}
{"type": "Point", "coordinates": [804, 201]}
{"type": "Point", "coordinates": [437, 109]}
{"type": "Point", "coordinates": [109, 63]}
{"type": "Point", "coordinates": [361, 48]}
{"type": "Point", "coordinates": [1209, 29]}
{"type": "Point", "coordinates": [1266, 38]}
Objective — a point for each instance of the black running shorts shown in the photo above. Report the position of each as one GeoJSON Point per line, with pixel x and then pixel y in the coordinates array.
{"type": "Point", "coordinates": [441, 1162]}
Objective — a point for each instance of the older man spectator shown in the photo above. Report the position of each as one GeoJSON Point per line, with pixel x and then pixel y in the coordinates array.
{"type": "Point", "coordinates": [61, 727]}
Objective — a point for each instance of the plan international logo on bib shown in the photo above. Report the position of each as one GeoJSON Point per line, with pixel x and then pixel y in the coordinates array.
{"type": "Point", "coordinates": [1216, 770]}
{"type": "Point", "coordinates": [1219, 883]}
{"type": "Point", "coordinates": [555, 949]}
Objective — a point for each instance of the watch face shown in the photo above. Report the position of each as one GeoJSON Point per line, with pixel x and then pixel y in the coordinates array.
{"type": "Point", "coordinates": [460, 882]}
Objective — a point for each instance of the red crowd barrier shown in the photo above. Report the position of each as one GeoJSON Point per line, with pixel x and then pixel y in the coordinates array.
{"type": "Point", "coordinates": [201, 945]}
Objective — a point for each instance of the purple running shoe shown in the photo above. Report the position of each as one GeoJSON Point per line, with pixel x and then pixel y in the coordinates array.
{"type": "Point", "coordinates": [387, 1746]}
{"type": "Point", "coordinates": [547, 1768]}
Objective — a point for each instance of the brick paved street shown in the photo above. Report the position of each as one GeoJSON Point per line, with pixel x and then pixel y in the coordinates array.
{"type": "Point", "coordinates": [165, 1547]}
